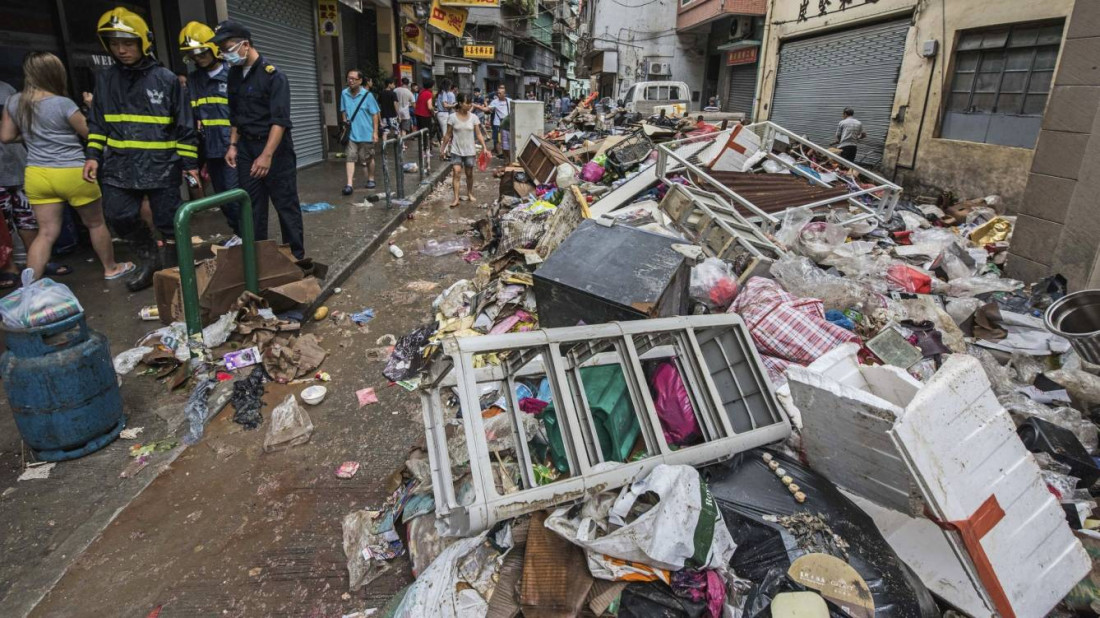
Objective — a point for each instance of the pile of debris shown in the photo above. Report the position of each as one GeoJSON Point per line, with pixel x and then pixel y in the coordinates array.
{"type": "Point", "coordinates": [733, 374]}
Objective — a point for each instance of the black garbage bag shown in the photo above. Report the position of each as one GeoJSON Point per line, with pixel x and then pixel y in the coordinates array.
{"type": "Point", "coordinates": [407, 357]}
{"type": "Point", "coordinates": [247, 399]}
{"type": "Point", "coordinates": [747, 491]}
{"type": "Point", "coordinates": [656, 600]}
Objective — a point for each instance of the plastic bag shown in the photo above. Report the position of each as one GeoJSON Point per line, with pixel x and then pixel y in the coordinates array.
{"type": "Point", "coordinates": [799, 276]}
{"type": "Point", "coordinates": [38, 303]}
{"type": "Point", "coordinates": [437, 248]}
{"type": "Point", "coordinates": [713, 284]}
{"type": "Point", "coordinates": [908, 279]}
{"type": "Point", "coordinates": [290, 426]}
{"type": "Point", "coordinates": [855, 259]}
{"type": "Point", "coordinates": [126, 361]}
{"type": "Point", "coordinates": [448, 588]}
{"type": "Point", "coordinates": [818, 239]}
{"type": "Point", "coordinates": [794, 219]}
{"type": "Point", "coordinates": [974, 286]}
{"type": "Point", "coordinates": [684, 528]}
{"type": "Point", "coordinates": [756, 506]}
{"type": "Point", "coordinates": [1082, 387]}
{"type": "Point", "coordinates": [592, 172]}
{"type": "Point", "coordinates": [673, 405]}
{"type": "Point", "coordinates": [197, 410]}
{"type": "Point", "coordinates": [566, 176]}
{"type": "Point", "coordinates": [483, 160]}
{"type": "Point", "coordinates": [406, 359]}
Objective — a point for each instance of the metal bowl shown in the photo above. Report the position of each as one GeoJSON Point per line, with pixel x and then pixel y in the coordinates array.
{"type": "Point", "coordinates": [1076, 317]}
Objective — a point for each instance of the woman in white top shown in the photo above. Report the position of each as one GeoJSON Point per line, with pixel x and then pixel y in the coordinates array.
{"type": "Point", "coordinates": [462, 128]}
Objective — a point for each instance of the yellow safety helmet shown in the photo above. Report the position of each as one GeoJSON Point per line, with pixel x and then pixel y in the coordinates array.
{"type": "Point", "coordinates": [195, 39]}
{"type": "Point", "coordinates": [122, 23]}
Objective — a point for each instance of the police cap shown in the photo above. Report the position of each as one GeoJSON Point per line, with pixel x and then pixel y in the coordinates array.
{"type": "Point", "coordinates": [230, 29]}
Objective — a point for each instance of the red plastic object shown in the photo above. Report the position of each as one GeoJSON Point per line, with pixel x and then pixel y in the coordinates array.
{"type": "Point", "coordinates": [909, 279]}
{"type": "Point", "coordinates": [483, 160]}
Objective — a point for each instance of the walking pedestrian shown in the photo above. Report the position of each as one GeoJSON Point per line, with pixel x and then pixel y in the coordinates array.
{"type": "Point", "coordinates": [260, 145]}
{"type": "Point", "coordinates": [140, 131]}
{"type": "Point", "coordinates": [501, 107]}
{"type": "Point", "coordinates": [462, 129]}
{"type": "Point", "coordinates": [208, 91]}
{"type": "Point", "coordinates": [849, 132]}
{"type": "Point", "coordinates": [387, 104]}
{"type": "Point", "coordinates": [17, 213]}
{"type": "Point", "coordinates": [405, 100]}
{"type": "Point", "coordinates": [423, 110]}
{"type": "Point", "coordinates": [358, 101]}
{"type": "Point", "coordinates": [52, 128]}
{"type": "Point", "coordinates": [444, 105]}
{"type": "Point", "coordinates": [477, 105]}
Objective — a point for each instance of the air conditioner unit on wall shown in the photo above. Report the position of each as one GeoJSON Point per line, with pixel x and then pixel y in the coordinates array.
{"type": "Point", "coordinates": [741, 28]}
{"type": "Point", "coordinates": [659, 68]}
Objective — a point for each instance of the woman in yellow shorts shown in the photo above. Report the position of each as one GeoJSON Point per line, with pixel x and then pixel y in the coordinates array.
{"type": "Point", "coordinates": [52, 128]}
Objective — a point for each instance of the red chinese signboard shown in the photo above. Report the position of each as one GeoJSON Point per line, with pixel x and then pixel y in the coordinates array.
{"type": "Point", "coordinates": [741, 56]}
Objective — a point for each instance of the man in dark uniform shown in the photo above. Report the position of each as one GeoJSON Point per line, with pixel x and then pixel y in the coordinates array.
{"type": "Point", "coordinates": [210, 104]}
{"type": "Point", "coordinates": [260, 147]}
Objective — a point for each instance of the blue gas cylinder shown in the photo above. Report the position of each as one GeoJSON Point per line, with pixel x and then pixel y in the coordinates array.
{"type": "Point", "coordinates": [62, 388]}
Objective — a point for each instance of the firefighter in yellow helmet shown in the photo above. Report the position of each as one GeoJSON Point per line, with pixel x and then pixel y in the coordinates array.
{"type": "Point", "coordinates": [206, 87]}
{"type": "Point", "coordinates": [141, 132]}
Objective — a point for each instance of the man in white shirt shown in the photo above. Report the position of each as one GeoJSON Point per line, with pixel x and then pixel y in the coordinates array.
{"type": "Point", "coordinates": [405, 101]}
{"type": "Point", "coordinates": [500, 110]}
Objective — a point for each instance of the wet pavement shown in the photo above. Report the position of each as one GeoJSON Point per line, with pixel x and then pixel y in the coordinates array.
{"type": "Point", "coordinates": [47, 523]}
{"type": "Point", "coordinates": [227, 529]}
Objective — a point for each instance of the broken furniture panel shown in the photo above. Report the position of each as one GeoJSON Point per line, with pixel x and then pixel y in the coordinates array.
{"type": "Point", "coordinates": [605, 429]}
{"type": "Point", "coordinates": [978, 483]}
{"type": "Point", "coordinates": [603, 274]}
{"type": "Point", "coordinates": [721, 231]}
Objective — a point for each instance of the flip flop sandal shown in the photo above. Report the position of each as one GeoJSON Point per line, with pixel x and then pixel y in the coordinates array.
{"type": "Point", "coordinates": [53, 269]}
{"type": "Point", "coordinates": [371, 184]}
{"type": "Point", "coordinates": [130, 267]}
{"type": "Point", "coordinates": [9, 281]}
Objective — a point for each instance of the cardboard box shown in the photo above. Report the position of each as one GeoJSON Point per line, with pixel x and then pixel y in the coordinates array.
{"type": "Point", "coordinates": [221, 281]}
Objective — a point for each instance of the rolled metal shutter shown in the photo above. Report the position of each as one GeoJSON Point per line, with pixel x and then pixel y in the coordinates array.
{"type": "Point", "coordinates": [349, 36]}
{"type": "Point", "coordinates": [742, 89]}
{"type": "Point", "coordinates": [283, 31]}
{"type": "Point", "coordinates": [820, 76]}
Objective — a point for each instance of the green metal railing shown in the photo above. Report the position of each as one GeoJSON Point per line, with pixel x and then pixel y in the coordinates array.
{"type": "Point", "coordinates": [188, 283]}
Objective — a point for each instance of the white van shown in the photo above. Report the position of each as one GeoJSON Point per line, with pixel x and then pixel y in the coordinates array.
{"type": "Point", "coordinates": [646, 97]}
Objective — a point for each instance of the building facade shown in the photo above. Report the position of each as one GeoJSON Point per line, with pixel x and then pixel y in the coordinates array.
{"type": "Point", "coordinates": [623, 42]}
{"type": "Point", "coordinates": [733, 30]}
{"type": "Point", "coordinates": [1057, 230]}
{"type": "Point", "coordinates": [951, 94]}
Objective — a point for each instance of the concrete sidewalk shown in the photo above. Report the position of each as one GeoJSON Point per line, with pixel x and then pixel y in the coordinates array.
{"type": "Point", "coordinates": [47, 524]}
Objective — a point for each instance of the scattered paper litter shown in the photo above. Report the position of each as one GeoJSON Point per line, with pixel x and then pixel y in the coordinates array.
{"type": "Point", "coordinates": [366, 396]}
{"type": "Point", "coordinates": [131, 433]}
{"type": "Point", "coordinates": [35, 472]}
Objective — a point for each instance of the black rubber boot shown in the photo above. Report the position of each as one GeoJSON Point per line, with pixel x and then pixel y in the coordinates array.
{"type": "Point", "coordinates": [166, 254]}
{"type": "Point", "coordinates": [146, 249]}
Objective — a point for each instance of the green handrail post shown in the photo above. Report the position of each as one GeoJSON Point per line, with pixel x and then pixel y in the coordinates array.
{"type": "Point", "coordinates": [188, 283]}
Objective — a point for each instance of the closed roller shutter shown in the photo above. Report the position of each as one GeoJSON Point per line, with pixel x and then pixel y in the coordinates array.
{"type": "Point", "coordinates": [742, 89]}
{"type": "Point", "coordinates": [820, 76]}
{"type": "Point", "coordinates": [283, 32]}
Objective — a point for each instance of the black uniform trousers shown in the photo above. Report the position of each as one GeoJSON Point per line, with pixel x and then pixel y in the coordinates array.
{"type": "Point", "coordinates": [280, 186]}
{"type": "Point", "coordinates": [224, 178]}
{"type": "Point", "coordinates": [122, 208]}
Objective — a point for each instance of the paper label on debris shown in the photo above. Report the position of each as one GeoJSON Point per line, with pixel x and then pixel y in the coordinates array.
{"type": "Point", "coordinates": [741, 145]}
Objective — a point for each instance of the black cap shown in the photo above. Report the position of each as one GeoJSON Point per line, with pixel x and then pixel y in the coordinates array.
{"type": "Point", "coordinates": [230, 29]}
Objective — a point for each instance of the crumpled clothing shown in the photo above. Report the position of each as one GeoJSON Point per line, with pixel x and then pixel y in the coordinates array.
{"type": "Point", "coordinates": [700, 586]}
{"type": "Point", "coordinates": [530, 405]}
{"type": "Point", "coordinates": [785, 328]}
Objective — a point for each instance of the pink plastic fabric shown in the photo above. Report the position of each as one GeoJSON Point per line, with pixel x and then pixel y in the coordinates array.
{"type": "Point", "coordinates": [673, 406]}
{"type": "Point", "coordinates": [592, 172]}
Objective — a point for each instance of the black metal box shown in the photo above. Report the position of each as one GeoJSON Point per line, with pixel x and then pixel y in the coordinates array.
{"type": "Point", "coordinates": [606, 274]}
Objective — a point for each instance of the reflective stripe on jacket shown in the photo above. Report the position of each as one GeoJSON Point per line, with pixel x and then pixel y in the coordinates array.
{"type": "Point", "coordinates": [140, 127]}
{"type": "Point", "coordinates": [210, 105]}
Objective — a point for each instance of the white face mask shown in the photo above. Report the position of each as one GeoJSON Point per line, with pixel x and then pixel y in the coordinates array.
{"type": "Point", "coordinates": [232, 57]}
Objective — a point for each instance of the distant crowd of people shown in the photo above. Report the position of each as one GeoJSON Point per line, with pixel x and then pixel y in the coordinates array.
{"type": "Point", "coordinates": [119, 160]}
